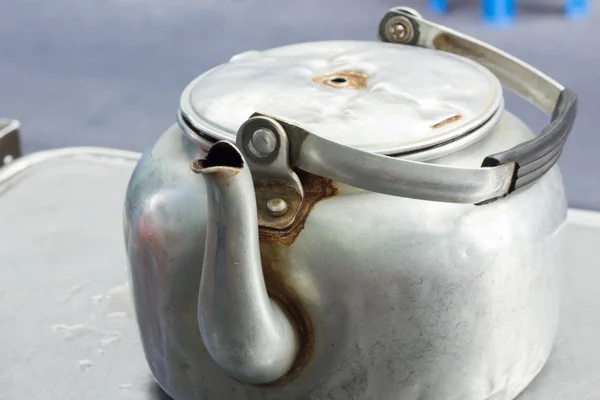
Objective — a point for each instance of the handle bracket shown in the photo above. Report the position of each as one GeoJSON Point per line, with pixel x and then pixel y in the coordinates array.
{"type": "Point", "coordinates": [279, 193]}
{"type": "Point", "coordinates": [532, 159]}
{"type": "Point", "coordinates": [499, 175]}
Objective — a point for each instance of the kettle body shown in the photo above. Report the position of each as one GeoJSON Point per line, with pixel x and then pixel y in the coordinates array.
{"type": "Point", "coordinates": [365, 295]}
{"type": "Point", "coordinates": [403, 298]}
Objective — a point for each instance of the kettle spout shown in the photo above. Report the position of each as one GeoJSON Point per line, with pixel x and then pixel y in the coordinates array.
{"type": "Point", "coordinates": [247, 333]}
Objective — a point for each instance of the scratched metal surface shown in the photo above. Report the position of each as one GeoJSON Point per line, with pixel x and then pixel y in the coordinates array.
{"type": "Point", "coordinates": [66, 321]}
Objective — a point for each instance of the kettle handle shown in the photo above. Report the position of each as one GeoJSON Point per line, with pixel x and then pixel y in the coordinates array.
{"type": "Point", "coordinates": [499, 175]}
{"type": "Point", "coordinates": [532, 159]}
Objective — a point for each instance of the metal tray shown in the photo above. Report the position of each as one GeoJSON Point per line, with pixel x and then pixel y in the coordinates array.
{"type": "Point", "coordinates": [66, 323]}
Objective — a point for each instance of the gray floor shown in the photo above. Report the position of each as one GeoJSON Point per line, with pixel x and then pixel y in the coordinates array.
{"type": "Point", "coordinates": [110, 72]}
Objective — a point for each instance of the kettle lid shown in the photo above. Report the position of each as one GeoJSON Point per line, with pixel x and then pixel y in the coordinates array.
{"type": "Point", "coordinates": [378, 97]}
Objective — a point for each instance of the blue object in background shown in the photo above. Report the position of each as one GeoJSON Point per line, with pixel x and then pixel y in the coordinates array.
{"type": "Point", "coordinates": [438, 6]}
{"type": "Point", "coordinates": [502, 12]}
{"type": "Point", "coordinates": [577, 9]}
{"type": "Point", "coordinates": [499, 12]}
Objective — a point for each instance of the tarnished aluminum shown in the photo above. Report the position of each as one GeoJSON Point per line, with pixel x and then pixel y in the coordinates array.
{"type": "Point", "coordinates": [414, 98]}
{"type": "Point", "coordinates": [389, 283]}
{"type": "Point", "coordinates": [271, 170]}
{"type": "Point", "coordinates": [247, 333]}
{"type": "Point", "coordinates": [83, 342]}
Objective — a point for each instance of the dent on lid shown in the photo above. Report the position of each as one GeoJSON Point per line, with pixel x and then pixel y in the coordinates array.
{"type": "Point", "coordinates": [379, 97]}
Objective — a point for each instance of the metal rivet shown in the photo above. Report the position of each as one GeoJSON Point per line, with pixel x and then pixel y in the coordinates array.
{"type": "Point", "coordinates": [263, 142]}
{"type": "Point", "coordinates": [7, 159]}
{"type": "Point", "coordinates": [277, 206]}
{"type": "Point", "coordinates": [399, 30]}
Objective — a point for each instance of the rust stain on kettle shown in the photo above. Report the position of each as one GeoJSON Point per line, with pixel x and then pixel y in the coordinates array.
{"type": "Point", "coordinates": [343, 80]}
{"type": "Point", "coordinates": [273, 258]}
{"type": "Point", "coordinates": [316, 188]}
{"type": "Point", "coordinates": [274, 248]}
{"type": "Point", "coordinates": [447, 121]}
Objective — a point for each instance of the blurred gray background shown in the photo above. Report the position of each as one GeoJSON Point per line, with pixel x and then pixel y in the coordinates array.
{"type": "Point", "coordinates": [110, 72]}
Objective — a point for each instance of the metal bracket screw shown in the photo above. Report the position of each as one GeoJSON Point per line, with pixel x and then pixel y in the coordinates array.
{"type": "Point", "coordinates": [263, 142]}
{"type": "Point", "coordinates": [277, 206]}
{"type": "Point", "coordinates": [399, 29]}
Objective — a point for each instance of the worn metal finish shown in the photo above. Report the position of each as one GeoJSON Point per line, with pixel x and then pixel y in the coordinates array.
{"type": "Point", "coordinates": [277, 206]}
{"type": "Point", "coordinates": [10, 142]}
{"type": "Point", "coordinates": [414, 296]}
{"type": "Point", "coordinates": [271, 170]}
{"type": "Point", "coordinates": [355, 165]}
{"type": "Point", "coordinates": [407, 90]}
{"type": "Point", "coordinates": [248, 334]}
{"type": "Point", "coordinates": [406, 299]}
{"type": "Point", "coordinates": [316, 189]}
{"type": "Point", "coordinates": [533, 158]}
{"type": "Point", "coordinates": [84, 337]}
{"type": "Point", "coordinates": [395, 176]}
{"type": "Point", "coordinates": [515, 75]}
